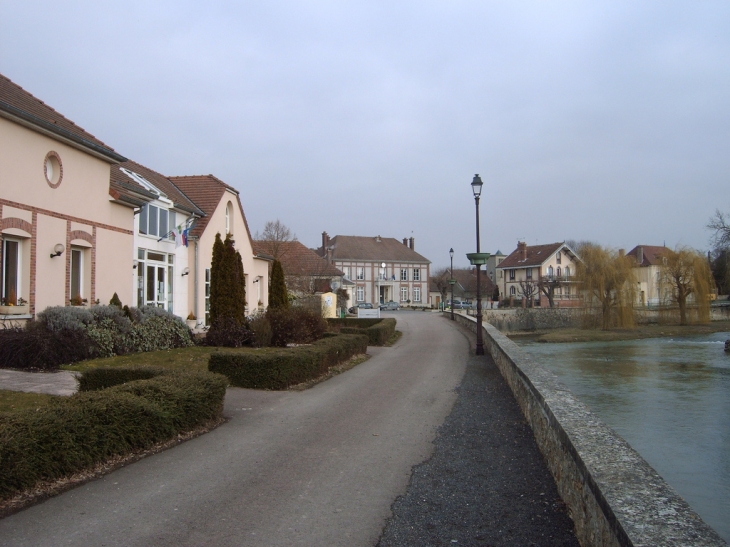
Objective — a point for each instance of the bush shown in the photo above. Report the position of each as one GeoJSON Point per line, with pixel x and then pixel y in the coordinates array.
{"type": "Point", "coordinates": [103, 377]}
{"type": "Point", "coordinates": [78, 432]}
{"type": "Point", "coordinates": [260, 331]}
{"type": "Point", "coordinates": [284, 367]}
{"type": "Point", "coordinates": [378, 331]}
{"type": "Point", "coordinates": [227, 332]}
{"type": "Point", "coordinates": [64, 335]}
{"type": "Point", "coordinates": [295, 325]}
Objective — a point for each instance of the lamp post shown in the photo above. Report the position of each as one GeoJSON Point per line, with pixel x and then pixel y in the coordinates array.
{"type": "Point", "coordinates": [477, 259]}
{"type": "Point", "coordinates": [452, 281]}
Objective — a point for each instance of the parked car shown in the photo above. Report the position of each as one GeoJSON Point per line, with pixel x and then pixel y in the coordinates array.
{"type": "Point", "coordinates": [390, 306]}
{"type": "Point", "coordinates": [458, 305]}
{"type": "Point", "coordinates": [362, 306]}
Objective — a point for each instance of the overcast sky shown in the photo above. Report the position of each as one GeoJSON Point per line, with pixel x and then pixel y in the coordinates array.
{"type": "Point", "coordinates": [604, 120]}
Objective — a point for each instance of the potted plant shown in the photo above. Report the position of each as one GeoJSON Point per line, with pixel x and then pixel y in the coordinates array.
{"type": "Point", "coordinates": [78, 300]}
{"type": "Point", "coordinates": [191, 320]}
{"type": "Point", "coordinates": [12, 305]}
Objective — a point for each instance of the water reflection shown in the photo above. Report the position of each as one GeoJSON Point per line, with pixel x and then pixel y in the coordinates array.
{"type": "Point", "coordinates": [669, 398]}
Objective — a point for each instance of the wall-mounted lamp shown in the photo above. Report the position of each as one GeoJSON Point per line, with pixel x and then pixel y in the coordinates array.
{"type": "Point", "coordinates": [134, 264]}
{"type": "Point", "coordinates": [256, 280]}
{"type": "Point", "coordinates": [57, 250]}
{"type": "Point", "coordinates": [186, 271]}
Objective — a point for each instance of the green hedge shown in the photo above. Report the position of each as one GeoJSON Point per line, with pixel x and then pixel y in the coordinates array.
{"type": "Point", "coordinates": [378, 331]}
{"type": "Point", "coordinates": [284, 367]}
{"type": "Point", "coordinates": [78, 432]}
{"type": "Point", "coordinates": [103, 377]}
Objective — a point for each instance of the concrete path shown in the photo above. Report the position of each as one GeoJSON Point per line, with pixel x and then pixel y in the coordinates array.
{"type": "Point", "coordinates": [318, 467]}
{"type": "Point", "coordinates": [52, 383]}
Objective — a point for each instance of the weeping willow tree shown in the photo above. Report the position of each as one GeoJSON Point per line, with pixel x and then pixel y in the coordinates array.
{"type": "Point", "coordinates": [607, 279]}
{"type": "Point", "coordinates": [688, 276]}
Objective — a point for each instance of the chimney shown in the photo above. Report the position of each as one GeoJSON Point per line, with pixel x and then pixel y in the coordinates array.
{"type": "Point", "coordinates": [640, 255]}
{"type": "Point", "coordinates": [377, 238]}
{"type": "Point", "coordinates": [325, 242]}
{"type": "Point", "coordinates": [522, 249]}
{"type": "Point", "coordinates": [412, 243]}
{"type": "Point", "coordinates": [405, 241]}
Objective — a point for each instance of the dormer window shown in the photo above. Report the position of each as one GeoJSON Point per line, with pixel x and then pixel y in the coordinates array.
{"type": "Point", "coordinates": [156, 221]}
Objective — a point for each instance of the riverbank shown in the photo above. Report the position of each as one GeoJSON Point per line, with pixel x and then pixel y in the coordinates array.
{"type": "Point", "coordinates": [557, 336]}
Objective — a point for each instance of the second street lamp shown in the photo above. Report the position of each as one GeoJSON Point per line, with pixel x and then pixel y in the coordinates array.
{"type": "Point", "coordinates": [452, 281]}
{"type": "Point", "coordinates": [477, 259]}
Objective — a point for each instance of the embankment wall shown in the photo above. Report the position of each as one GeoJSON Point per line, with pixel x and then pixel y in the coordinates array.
{"type": "Point", "coordinates": [614, 496]}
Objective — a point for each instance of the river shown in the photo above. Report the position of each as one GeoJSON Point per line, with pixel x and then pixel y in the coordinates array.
{"type": "Point", "coordinates": [669, 398]}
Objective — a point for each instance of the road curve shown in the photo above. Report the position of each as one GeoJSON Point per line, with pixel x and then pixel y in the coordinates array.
{"type": "Point", "coordinates": [318, 467]}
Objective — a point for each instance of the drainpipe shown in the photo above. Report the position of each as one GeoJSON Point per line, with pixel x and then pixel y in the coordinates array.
{"type": "Point", "coordinates": [195, 277]}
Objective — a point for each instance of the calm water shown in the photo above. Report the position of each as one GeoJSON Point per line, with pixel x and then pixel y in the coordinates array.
{"type": "Point", "coordinates": [669, 398]}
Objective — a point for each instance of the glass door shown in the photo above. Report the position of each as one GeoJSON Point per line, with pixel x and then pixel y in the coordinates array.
{"type": "Point", "coordinates": [156, 294]}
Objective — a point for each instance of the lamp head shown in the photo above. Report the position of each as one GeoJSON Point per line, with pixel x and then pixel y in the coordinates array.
{"type": "Point", "coordinates": [58, 249]}
{"type": "Point", "coordinates": [476, 186]}
{"type": "Point", "coordinates": [451, 252]}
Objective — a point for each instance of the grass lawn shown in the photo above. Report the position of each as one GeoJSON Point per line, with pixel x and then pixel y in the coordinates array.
{"type": "Point", "coordinates": [13, 401]}
{"type": "Point", "coordinates": [641, 331]}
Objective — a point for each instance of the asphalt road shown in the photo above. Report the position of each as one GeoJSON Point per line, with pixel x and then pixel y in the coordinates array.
{"type": "Point", "coordinates": [318, 467]}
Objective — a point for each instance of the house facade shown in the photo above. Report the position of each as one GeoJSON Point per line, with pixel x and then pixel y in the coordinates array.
{"type": "Point", "coordinates": [528, 268]}
{"type": "Point", "coordinates": [305, 272]}
{"type": "Point", "coordinates": [381, 269]}
{"type": "Point", "coordinates": [651, 288]}
{"type": "Point", "coordinates": [224, 215]}
{"type": "Point", "coordinates": [66, 230]}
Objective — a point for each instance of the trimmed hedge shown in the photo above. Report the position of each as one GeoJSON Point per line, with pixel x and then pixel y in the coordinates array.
{"type": "Point", "coordinates": [378, 331]}
{"type": "Point", "coordinates": [284, 367]}
{"type": "Point", "coordinates": [104, 377]}
{"type": "Point", "coordinates": [75, 433]}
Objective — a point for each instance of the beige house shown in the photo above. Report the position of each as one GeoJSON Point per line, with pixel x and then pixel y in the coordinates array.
{"type": "Point", "coordinates": [527, 268]}
{"type": "Point", "coordinates": [66, 230]}
{"type": "Point", "coordinates": [381, 269]}
{"type": "Point", "coordinates": [224, 215]}
{"type": "Point", "coordinates": [651, 290]}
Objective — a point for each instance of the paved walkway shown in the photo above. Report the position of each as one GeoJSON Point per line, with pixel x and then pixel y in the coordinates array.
{"type": "Point", "coordinates": [52, 383]}
{"type": "Point", "coordinates": [421, 445]}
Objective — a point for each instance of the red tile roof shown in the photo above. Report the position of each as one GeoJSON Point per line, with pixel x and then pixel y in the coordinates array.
{"type": "Point", "coordinates": [652, 254]}
{"type": "Point", "coordinates": [298, 260]}
{"type": "Point", "coordinates": [385, 249]}
{"type": "Point", "coordinates": [17, 104]}
{"type": "Point", "coordinates": [536, 255]}
{"type": "Point", "coordinates": [206, 192]}
{"type": "Point", "coordinates": [162, 183]}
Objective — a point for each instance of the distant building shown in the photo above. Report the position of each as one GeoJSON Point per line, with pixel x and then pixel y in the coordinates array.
{"type": "Point", "coordinates": [381, 268]}
{"type": "Point", "coordinates": [523, 270]}
{"type": "Point", "coordinates": [648, 269]}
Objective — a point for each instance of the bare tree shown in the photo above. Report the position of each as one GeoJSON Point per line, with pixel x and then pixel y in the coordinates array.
{"type": "Point", "coordinates": [441, 278]}
{"type": "Point", "coordinates": [276, 233]}
{"type": "Point", "coordinates": [529, 289]}
{"type": "Point", "coordinates": [720, 223]}
{"type": "Point", "coordinates": [688, 273]}
{"type": "Point", "coordinates": [548, 284]}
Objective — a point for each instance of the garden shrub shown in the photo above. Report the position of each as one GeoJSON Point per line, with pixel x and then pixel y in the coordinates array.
{"type": "Point", "coordinates": [64, 335]}
{"type": "Point", "coordinates": [78, 432]}
{"type": "Point", "coordinates": [103, 377]}
{"type": "Point", "coordinates": [295, 325]}
{"type": "Point", "coordinates": [378, 331]}
{"type": "Point", "coordinates": [283, 367]}
{"type": "Point", "coordinates": [228, 332]}
{"type": "Point", "coordinates": [261, 333]}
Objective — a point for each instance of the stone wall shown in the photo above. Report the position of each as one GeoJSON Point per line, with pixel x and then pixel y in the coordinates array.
{"type": "Point", "coordinates": [614, 496]}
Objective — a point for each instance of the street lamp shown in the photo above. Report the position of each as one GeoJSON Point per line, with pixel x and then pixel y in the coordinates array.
{"type": "Point", "coordinates": [477, 259]}
{"type": "Point", "coordinates": [452, 281]}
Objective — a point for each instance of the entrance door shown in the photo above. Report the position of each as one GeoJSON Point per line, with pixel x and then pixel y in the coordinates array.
{"type": "Point", "coordinates": [156, 294]}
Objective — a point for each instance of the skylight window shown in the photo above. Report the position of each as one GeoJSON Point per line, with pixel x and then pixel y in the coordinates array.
{"type": "Point", "coordinates": [139, 179]}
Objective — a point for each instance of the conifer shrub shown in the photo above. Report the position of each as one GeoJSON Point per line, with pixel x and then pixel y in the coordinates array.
{"type": "Point", "coordinates": [115, 301]}
{"type": "Point", "coordinates": [278, 294]}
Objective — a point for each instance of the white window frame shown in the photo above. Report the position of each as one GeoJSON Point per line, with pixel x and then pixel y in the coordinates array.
{"type": "Point", "coordinates": [80, 272]}
{"type": "Point", "coordinates": [206, 293]}
{"type": "Point", "coordinates": [144, 221]}
{"type": "Point", "coordinates": [361, 273]}
{"type": "Point", "coordinates": [512, 275]}
{"type": "Point", "coordinates": [416, 294]}
{"type": "Point", "coordinates": [416, 274]}
{"type": "Point", "coordinates": [19, 269]}
{"type": "Point", "coordinates": [360, 294]}
{"type": "Point", "coordinates": [512, 291]}
{"type": "Point", "coordinates": [404, 274]}
{"type": "Point", "coordinates": [403, 294]}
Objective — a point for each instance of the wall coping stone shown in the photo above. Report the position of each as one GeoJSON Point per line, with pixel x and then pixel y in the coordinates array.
{"type": "Point", "coordinates": [615, 497]}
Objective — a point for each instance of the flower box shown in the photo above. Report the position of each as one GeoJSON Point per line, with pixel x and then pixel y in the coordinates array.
{"type": "Point", "coordinates": [15, 310]}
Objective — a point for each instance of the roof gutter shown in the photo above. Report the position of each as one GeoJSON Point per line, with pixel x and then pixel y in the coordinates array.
{"type": "Point", "coordinates": [26, 119]}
